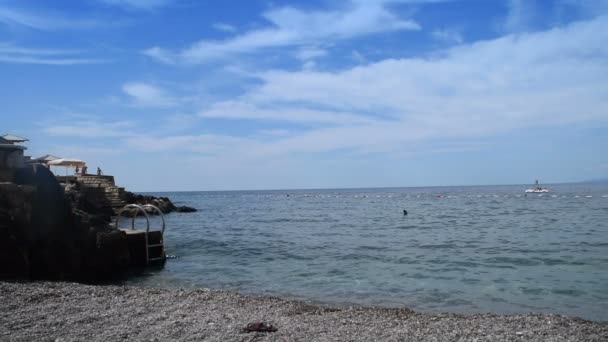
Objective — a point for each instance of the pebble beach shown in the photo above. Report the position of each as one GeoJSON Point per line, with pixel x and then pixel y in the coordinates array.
{"type": "Point", "coordinates": [58, 311]}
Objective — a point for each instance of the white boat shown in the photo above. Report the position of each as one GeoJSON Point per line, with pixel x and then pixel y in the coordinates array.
{"type": "Point", "coordinates": [537, 189]}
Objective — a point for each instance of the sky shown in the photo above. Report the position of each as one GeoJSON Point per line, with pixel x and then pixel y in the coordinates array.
{"type": "Point", "coordinates": [172, 95]}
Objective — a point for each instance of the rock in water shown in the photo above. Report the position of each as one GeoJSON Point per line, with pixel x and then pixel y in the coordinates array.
{"type": "Point", "coordinates": [185, 209]}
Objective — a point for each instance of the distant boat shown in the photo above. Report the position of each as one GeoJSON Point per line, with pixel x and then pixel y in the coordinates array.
{"type": "Point", "coordinates": [537, 188]}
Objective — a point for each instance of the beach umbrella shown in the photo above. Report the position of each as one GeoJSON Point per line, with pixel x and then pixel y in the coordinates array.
{"type": "Point", "coordinates": [67, 162]}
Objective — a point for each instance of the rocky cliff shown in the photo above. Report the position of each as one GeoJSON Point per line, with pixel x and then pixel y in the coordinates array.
{"type": "Point", "coordinates": [53, 230]}
{"type": "Point", "coordinates": [99, 196]}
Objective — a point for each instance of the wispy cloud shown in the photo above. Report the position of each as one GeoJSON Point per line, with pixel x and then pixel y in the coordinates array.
{"type": "Point", "coordinates": [224, 27]}
{"type": "Point", "coordinates": [148, 95]}
{"type": "Point", "coordinates": [309, 52]}
{"type": "Point", "coordinates": [72, 151]}
{"type": "Point", "coordinates": [46, 20]}
{"type": "Point", "coordinates": [553, 77]}
{"type": "Point", "coordinates": [10, 53]}
{"type": "Point", "coordinates": [277, 132]}
{"type": "Point", "coordinates": [520, 15]}
{"type": "Point", "coordinates": [91, 129]}
{"type": "Point", "coordinates": [241, 110]}
{"type": "Point", "coordinates": [204, 143]}
{"type": "Point", "coordinates": [448, 36]}
{"type": "Point", "coordinates": [291, 27]}
{"type": "Point", "coordinates": [138, 4]}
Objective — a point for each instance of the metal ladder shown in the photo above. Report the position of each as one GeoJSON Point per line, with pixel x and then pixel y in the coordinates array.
{"type": "Point", "coordinates": [159, 245]}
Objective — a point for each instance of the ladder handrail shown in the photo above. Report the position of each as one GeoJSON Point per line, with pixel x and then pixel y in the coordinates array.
{"type": "Point", "coordinates": [143, 208]}
{"type": "Point", "coordinates": [162, 216]}
{"type": "Point", "coordinates": [139, 208]}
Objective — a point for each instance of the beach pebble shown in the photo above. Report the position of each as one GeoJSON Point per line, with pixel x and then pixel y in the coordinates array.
{"type": "Point", "coordinates": [30, 311]}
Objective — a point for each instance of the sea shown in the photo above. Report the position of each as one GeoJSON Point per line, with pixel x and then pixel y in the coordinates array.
{"type": "Point", "coordinates": [471, 249]}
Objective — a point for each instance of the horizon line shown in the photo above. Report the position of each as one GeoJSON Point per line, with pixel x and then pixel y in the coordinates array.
{"type": "Point", "coordinates": [372, 187]}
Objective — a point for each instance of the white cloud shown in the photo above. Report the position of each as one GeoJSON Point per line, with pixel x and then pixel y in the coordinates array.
{"type": "Point", "coordinates": [448, 36]}
{"type": "Point", "coordinates": [91, 129]}
{"type": "Point", "coordinates": [554, 77]}
{"type": "Point", "coordinates": [242, 110]}
{"type": "Point", "coordinates": [159, 54]}
{"type": "Point", "coordinates": [10, 53]}
{"type": "Point", "coordinates": [148, 95]}
{"type": "Point", "coordinates": [358, 57]}
{"type": "Point", "coordinates": [224, 27]}
{"type": "Point", "coordinates": [46, 20]}
{"type": "Point", "coordinates": [521, 15]}
{"type": "Point", "coordinates": [10, 48]}
{"type": "Point", "coordinates": [309, 65]}
{"type": "Point", "coordinates": [179, 122]}
{"type": "Point", "coordinates": [205, 143]}
{"type": "Point", "coordinates": [275, 132]}
{"type": "Point", "coordinates": [138, 4]}
{"type": "Point", "coordinates": [56, 61]}
{"type": "Point", "coordinates": [472, 91]}
{"type": "Point", "coordinates": [79, 152]}
{"type": "Point", "coordinates": [310, 52]}
{"type": "Point", "coordinates": [294, 27]}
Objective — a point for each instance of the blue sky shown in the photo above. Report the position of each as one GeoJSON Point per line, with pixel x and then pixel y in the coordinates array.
{"type": "Point", "coordinates": [218, 95]}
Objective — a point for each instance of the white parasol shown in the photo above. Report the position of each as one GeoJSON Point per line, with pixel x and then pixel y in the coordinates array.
{"type": "Point", "coordinates": [67, 162]}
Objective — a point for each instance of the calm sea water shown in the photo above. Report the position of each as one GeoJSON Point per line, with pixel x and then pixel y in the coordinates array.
{"type": "Point", "coordinates": [459, 249]}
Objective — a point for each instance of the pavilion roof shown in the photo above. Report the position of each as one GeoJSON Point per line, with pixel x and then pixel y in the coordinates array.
{"type": "Point", "coordinates": [13, 138]}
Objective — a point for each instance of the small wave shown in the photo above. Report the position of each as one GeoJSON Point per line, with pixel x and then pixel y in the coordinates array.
{"type": "Point", "coordinates": [470, 280]}
{"type": "Point", "coordinates": [459, 302]}
{"type": "Point", "coordinates": [372, 248]}
{"type": "Point", "coordinates": [532, 291]}
{"type": "Point", "coordinates": [293, 220]}
{"type": "Point", "coordinates": [555, 262]}
{"type": "Point", "coordinates": [438, 246]}
{"type": "Point", "coordinates": [512, 261]}
{"type": "Point", "coordinates": [418, 276]}
{"type": "Point", "coordinates": [446, 217]}
{"type": "Point", "coordinates": [568, 292]}
{"type": "Point", "coordinates": [595, 244]}
{"type": "Point", "coordinates": [407, 227]}
{"type": "Point", "coordinates": [357, 256]}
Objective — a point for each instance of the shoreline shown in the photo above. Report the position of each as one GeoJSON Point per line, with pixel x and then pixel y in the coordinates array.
{"type": "Point", "coordinates": [59, 311]}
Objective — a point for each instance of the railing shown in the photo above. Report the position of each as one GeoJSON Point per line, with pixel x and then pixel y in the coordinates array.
{"type": "Point", "coordinates": [142, 209]}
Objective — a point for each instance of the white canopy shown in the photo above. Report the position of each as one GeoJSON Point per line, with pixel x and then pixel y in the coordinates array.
{"type": "Point", "coordinates": [67, 162]}
{"type": "Point", "coordinates": [44, 159]}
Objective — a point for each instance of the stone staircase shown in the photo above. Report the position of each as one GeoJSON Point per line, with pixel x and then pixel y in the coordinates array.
{"type": "Point", "coordinates": [102, 189]}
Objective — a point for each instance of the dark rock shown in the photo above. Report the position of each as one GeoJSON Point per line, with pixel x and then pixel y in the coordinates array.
{"type": "Point", "coordinates": [52, 230]}
{"type": "Point", "coordinates": [260, 327]}
{"type": "Point", "coordinates": [106, 254]}
{"type": "Point", "coordinates": [50, 211]}
{"type": "Point", "coordinates": [43, 228]}
{"type": "Point", "coordinates": [43, 236]}
{"type": "Point", "coordinates": [14, 256]}
{"type": "Point", "coordinates": [185, 209]}
{"type": "Point", "coordinates": [163, 203]}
